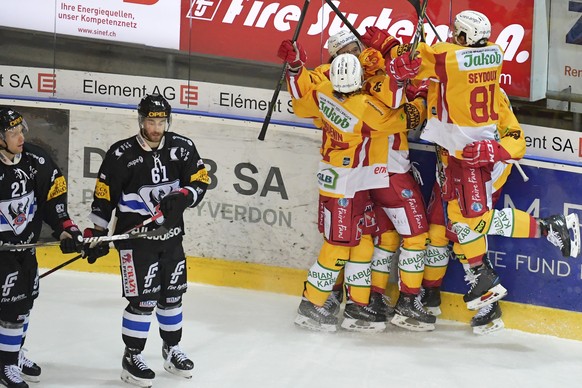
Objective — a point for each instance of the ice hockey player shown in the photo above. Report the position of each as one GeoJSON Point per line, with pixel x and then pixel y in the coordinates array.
{"type": "Point", "coordinates": [33, 191]}
{"type": "Point", "coordinates": [342, 98]}
{"type": "Point", "coordinates": [154, 167]}
{"type": "Point", "coordinates": [463, 105]}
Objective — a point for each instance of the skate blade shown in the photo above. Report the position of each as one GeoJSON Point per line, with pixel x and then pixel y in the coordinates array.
{"type": "Point", "coordinates": [411, 323]}
{"type": "Point", "coordinates": [573, 223]}
{"type": "Point", "coordinates": [29, 378]}
{"type": "Point", "coordinates": [493, 295]}
{"type": "Point", "coordinates": [130, 379]}
{"type": "Point", "coordinates": [491, 327]}
{"type": "Point", "coordinates": [361, 326]}
{"type": "Point", "coordinates": [436, 311]}
{"type": "Point", "coordinates": [308, 323]}
{"type": "Point", "coordinates": [169, 367]}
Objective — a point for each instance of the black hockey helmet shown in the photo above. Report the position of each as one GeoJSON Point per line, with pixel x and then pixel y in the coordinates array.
{"type": "Point", "coordinates": [154, 106]}
{"type": "Point", "coordinates": [10, 120]}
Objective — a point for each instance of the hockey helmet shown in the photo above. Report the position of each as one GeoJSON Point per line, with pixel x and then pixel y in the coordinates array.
{"type": "Point", "coordinates": [11, 120]}
{"type": "Point", "coordinates": [474, 25]}
{"type": "Point", "coordinates": [340, 40]}
{"type": "Point", "coordinates": [346, 74]}
{"type": "Point", "coordinates": [154, 106]}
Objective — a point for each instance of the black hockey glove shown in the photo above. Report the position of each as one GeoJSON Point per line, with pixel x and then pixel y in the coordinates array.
{"type": "Point", "coordinates": [173, 205]}
{"type": "Point", "coordinates": [71, 238]}
{"type": "Point", "coordinates": [93, 251]}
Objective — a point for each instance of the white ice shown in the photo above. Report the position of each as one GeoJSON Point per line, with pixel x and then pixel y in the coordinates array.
{"type": "Point", "coordinates": [241, 338]}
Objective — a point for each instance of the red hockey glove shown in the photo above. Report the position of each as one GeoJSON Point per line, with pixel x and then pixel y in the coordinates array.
{"type": "Point", "coordinates": [293, 54]}
{"type": "Point", "coordinates": [173, 205]}
{"type": "Point", "coordinates": [379, 40]}
{"type": "Point", "coordinates": [93, 251]}
{"type": "Point", "coordinates": [414, 91]}
{"type": "Point", "coordinates": [484, 152]}
{"type": "Point", "coordinates": [403, 68]}
{"type": "Point", "coordinates": [71, 239]}
{"type": "Point", "coordinates": [372, 62]}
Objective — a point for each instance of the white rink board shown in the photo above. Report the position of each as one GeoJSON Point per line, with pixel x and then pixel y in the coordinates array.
{"type": "Point", "coordinates": [265, 229]}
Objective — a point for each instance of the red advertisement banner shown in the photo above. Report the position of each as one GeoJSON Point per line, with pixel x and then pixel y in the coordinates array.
{"type": "Point", "coordinates": [253, 29]}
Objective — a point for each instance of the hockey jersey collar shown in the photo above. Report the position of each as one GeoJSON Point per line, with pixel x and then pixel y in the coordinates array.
{"type": "Point", "coordinates": [145, 146]}
{"type": "Point", "coordinates": [9, 162]}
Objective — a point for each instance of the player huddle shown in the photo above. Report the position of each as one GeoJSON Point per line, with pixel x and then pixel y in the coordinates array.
{"type": "Point", "coordinates": [373, 95]}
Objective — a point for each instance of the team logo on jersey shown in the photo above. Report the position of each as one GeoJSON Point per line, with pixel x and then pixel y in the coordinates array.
{"type": "Point", "coordinates": [17, 212]}
{"type": "Point", "coordinates": [152, 195]}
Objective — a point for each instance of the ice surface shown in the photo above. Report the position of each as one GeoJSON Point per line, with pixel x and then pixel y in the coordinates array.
{"type": "Point", "coordinates": [241, 338]}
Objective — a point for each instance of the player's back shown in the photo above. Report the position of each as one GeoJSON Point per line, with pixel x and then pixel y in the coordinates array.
{"type": "Point", "coordinates": [463, 101]}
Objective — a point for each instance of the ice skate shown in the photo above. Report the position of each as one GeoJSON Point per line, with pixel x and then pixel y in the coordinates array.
{"type": "Point", "coordinates": [362, 319]}
{"type": "Point", "coordinates": [485, 287]}
{"type": "Point", "coordinates": [176, 361]}
{"type": "Point", "coordinates": [10, 377]}
{"type": "Point", "coordinates": [410, 315]}
{"type": "Point", "coordinates": [135, 370]}
{"type": "Point", "coordinates": [381, 303]}
{"type": "Point", "coordinates": [29, 370]}
{"type": "Point", "coordinates": [431, 300]}
{"type": "Point", "coordinates": [314, 317]}
{"type": "Point", "coordinates": [557, 231]}
{"type": "Point", "coordinates": [334, 301]}
{"type": "Point", "coordinates": [488, 319]}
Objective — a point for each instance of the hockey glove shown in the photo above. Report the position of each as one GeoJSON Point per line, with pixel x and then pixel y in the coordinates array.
{"type": "Point", "coordinates": [173, 205]}
{"type": "Point", "coordinates": [292, 53]}
{"type": "Point", "coordinates": [403, 67]}
{"type": "Point", "coordinates": [71, 238]}
{"type": "Point", "coordinates": [380, 40]}
{"type": "Point", "coordinates": [372, 62]}
{"type": "Point", "coordinates": [413, 91]}
{"type": "Point", "coordinates": [93, 251]}
{"type": "Point", "coordinates": [484, 152]}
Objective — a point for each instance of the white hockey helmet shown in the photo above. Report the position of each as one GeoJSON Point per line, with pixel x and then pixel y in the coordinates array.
{"type": "Point", "coordinates": [340, 40]}
{"type": "Point", "coordinates": [346, 73]}
{"type": "Point", "coordinates": [475, 26]}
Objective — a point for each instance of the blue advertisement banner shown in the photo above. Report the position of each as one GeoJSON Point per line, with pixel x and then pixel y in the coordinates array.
{"type": "Point", "coordinates": [533, 270]}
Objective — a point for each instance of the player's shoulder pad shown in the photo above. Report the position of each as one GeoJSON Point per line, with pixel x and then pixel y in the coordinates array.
{"type": "Point", "coordinates": [118, 148]}
{"type": "Point", "coordinates": [37, 153]}
{"type": "Point", "coordinates": [175, 140]}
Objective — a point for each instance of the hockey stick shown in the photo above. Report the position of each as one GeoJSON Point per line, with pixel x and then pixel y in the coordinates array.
{"type": "Point", "coordinates": [419, 33]}
{"type": "Point", "coordinates": [433, 28]}
{"type": "Point", "coordinates": [282, 78]}
{"type": "Point", "coordinates": [157, 215]}
{"type": "Point", "coordinates": [96, 240]}
{"type": "Point", "coordinates": [344, 19]}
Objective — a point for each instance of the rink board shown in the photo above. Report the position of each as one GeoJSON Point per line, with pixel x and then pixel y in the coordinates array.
{"type": "Point", "coordinates": [256, 228]}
